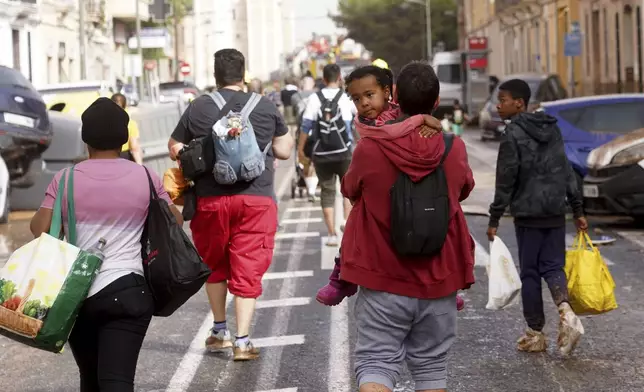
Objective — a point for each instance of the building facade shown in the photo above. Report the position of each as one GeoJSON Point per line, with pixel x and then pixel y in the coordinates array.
{"type": "Point", "coordinates": [18, 23]}
{"type": "Point", "coordinates": [529, 36]}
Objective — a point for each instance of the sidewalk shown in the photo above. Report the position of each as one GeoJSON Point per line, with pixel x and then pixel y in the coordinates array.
{"type": "Point", "coordinates": [482, 160]}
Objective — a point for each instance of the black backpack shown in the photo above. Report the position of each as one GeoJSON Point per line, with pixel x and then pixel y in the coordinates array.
{"type": "Point", "coordinates": [420, 211]}
{"type": "Point", "coordinates": [330, 139]}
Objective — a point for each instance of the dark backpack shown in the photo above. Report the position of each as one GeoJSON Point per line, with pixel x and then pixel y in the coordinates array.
{"type": "Point", "coordinates": [330, 139]}
{"type": "Point", "coordinates": [420, 211]}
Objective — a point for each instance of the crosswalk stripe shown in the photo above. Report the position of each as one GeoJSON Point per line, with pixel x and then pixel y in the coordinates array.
{"type": "Point", "coordinates": [296, 221]}
{"type": "Point", "coordinates": [281, 390]}
{"type": "Point", "coordinates": [290, 236]}
{"type": "Point", "coordinates": [278, 303]}
{"type": "Point", "coordinates": [287, 275]}
{"type": "Point", "coordinates": [304, 209]}
{"type": "Point", "coordinates": [273, 341]}
{"type": "Point", "coordinates": [189, 365]}
{"type": "Point", "coordinates": [339, 352]}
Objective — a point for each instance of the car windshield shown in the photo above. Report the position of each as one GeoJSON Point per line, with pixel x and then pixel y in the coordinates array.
{"type": "Point", "coordinates": [11, 77]}
{"type": "Point", "coordinates": [172, 86]}
{"type": "Point", "coordinates": [449, 73]}
{"type": "Point", "coordinates": [610, 117]}
{"type": "Point", "coordinates": [534, 86]}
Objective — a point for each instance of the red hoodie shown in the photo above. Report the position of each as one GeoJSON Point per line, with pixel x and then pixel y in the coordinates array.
{"type": "Point", "coordinates": [367, 255]}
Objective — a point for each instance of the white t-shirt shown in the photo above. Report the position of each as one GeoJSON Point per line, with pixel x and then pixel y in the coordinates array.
{"type": "Point", "coordinates": [312, 111]}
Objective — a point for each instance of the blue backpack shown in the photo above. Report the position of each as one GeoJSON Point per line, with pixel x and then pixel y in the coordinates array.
{"type": "Point", "coordinates": [237, 154]}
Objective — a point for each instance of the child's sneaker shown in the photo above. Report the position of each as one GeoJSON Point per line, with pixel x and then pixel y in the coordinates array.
{"type": "Point", "coordinates": [570, 329]}
{"type": "Point", "coordinates": [460, 304]}
{"type": "Point", "coordinates": [532, 342]}
{"type": "Point", "coordinates": [218, 341]}
{"type": "Point", "coordinates": [336, 290]}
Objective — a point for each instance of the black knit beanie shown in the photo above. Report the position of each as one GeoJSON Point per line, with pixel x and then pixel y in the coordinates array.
{"type": "Point", "coordinates": [105, 125]}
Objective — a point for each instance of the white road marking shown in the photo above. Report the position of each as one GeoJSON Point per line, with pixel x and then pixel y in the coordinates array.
{"type": "Point", "coordinates": [275, 341]}
{"type": "Point", "coordinates": [304, 209]}
{"type": "Point", "coordinates": [271, 362]}
{"type": "Point", "coordinates": [327, 254]}
{"type": "Point", "coordinates": [284, 302]}
{"type": "Point", "coordinates": [635, 237]}
{"type": "Point", "coordinates": [189, 365]}
{"type": "Point", "coordinates": [282, 390]}
{"type": "Point", "coordinates": [570, 239]}
{"type": "Point", "coordinates": [296, 221]}
{"type": "Point", "coordinates": [288, 236]}
{"type": "Point", "coordinates": [287, 275]}
{"type": "Point", "coordinates": [340, 350]}
{"type": "Point", "coordinates": [284, 185]}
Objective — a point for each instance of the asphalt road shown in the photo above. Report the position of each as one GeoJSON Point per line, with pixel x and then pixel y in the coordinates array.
{"type": "Point", "coordinates": [307, 347]}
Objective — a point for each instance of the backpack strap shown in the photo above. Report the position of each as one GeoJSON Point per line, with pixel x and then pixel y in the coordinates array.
{"type": "Point", "coordinates": [337, 98]}
{"type": "Point", "coordinates": [250, 105]}
{"type": "Point", "coordinates": [449, 140]}
{"type": "Point", "coordinates": [219, 100]}
{"type": "Point", "coordinates": [321, 97]}
{"type": "Point", "coordinates": [223, 110]}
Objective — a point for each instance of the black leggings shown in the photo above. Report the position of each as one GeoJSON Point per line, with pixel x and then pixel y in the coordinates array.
{"type": "Point", "coordinates": [109, 331]}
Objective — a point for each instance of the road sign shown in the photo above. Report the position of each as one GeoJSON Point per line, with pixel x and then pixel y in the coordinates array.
{"type": "Point", "coordinates": [185, 68]}
{"type": "Point", "coordinates": [572, 44]}
{"type": "Point", "coordinates": [477, 43]}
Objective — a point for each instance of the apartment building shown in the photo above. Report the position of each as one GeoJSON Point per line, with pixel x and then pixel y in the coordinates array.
{"type": "Point", "coordinates": [264, 35]}
{"type": "Point", "coordinates": [529, 36]}
{"type": "Point", "coordinates": [18, 21]}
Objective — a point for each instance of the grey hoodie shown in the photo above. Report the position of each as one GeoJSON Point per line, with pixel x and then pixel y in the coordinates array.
{"type": "Point", "coordinates": [533, 175]}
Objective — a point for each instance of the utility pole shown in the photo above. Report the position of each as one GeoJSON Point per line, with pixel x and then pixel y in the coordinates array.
{"type": "Point", "coordinates": [82, 39]}
{"type": "Point", "coordinates": [428, 25]}
{"type": "Point", "coordinates": [139, 50]}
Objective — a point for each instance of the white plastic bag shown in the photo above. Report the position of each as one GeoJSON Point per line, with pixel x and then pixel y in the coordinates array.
{"type": "Point", "coordinates": [504, 283]}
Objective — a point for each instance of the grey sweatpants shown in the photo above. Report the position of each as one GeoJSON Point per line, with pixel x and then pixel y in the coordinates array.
{"type": "Point", "coordinates": [393, 329]}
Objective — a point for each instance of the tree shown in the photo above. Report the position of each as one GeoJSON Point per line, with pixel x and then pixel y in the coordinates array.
{"type": "Point", "coordinates": [395, 29]}
{"type": "Point", "coordinates": [180, 9]}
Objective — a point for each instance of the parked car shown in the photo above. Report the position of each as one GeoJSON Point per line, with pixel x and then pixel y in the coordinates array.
{"type": "Point", "coordinates": [25, 130]}
{"type": "Point", "coordinates": [175, 91]}
{"type": "Point", "coordinates": [605, 143]}
{"type": "Point", "coordinates": [545, 88]}
{"type": "Point", "coordinates": [73, 98]}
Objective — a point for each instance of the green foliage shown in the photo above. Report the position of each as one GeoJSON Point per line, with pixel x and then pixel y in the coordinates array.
{"type": "Point", "coordinates": [395, 30]}
{"type": "Point", "coordinates": [7, 290]}
{"type": "Point", "coordinates": [180, 9]}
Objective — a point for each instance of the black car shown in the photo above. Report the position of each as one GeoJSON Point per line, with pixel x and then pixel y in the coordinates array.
{"type": "Point", "coordinates": [25, 130]}
{"type": "Point", "coordinates": [545, 88]}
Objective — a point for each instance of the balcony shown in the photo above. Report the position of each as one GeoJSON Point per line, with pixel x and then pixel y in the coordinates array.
{"type": "Point", "coordinates": [125, 10]}
{"type": "Point", "coordinates": [500, 6]}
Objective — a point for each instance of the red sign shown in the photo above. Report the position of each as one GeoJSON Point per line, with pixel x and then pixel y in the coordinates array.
{"type": "Point", "coordinates": [185, 68]}
{"type": "Point", "coordinates": [477, 63]}
{"type": "Point", "coordinates": [477, 43]}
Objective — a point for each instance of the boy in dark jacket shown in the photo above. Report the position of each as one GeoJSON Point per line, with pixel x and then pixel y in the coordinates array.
{"type": "Point", "coordinates": [534, 177]}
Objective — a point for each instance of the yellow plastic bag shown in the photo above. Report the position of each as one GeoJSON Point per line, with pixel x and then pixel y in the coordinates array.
{"type": "Point", "coordinates": [590, 285]}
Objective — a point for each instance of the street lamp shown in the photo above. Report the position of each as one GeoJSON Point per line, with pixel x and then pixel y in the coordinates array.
{"type": "Point", "coordinates": [428, 23]}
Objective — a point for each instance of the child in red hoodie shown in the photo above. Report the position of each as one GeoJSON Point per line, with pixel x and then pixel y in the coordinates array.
{"type": "Point", "coordinates": [377, 114]}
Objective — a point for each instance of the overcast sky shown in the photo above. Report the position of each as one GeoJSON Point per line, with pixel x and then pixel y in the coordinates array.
{"type": "Point", "coordinates": [311, 17]}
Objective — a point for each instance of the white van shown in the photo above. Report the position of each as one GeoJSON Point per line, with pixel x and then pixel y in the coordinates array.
{"type": "Point", "coordinates": [448, 68]}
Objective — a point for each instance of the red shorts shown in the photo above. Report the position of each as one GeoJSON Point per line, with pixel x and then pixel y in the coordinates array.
{"type": "Point", "coordinates": [235, 236]}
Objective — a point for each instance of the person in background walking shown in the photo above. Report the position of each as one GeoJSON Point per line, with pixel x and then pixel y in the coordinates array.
{"type": "Point", "coordinates": [286, 95]}
{"type": "Point", "coordinates": [256, 86]}
{"type": "Point", "coordinates": [131, 150]}
{"type": "Point", "coordinates": [331, 155]}
{"type": "Point", "coordinates": [234, 225]}
{"type": "Point", "coordinates": [111, 196]}
{"type": "Point", "coordinates": [458, 118]}
{"type": "Point", "coordinates": [299, 101]}
{"type": "Point", "coordinates": [534, 178]}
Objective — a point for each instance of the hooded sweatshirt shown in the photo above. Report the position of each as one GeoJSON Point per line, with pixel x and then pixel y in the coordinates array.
{"type": "Point", "coordinates": [533, 175]}
{"type": "Point", "coordinates": [367, 255]}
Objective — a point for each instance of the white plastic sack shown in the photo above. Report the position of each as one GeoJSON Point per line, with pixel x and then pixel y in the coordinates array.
{"type": "Point", "coordinates": [504, 283]}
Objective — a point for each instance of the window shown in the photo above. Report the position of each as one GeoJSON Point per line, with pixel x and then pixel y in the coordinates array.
{"type": "Point", "coordinates": [11, 77]}
{"type": "Point", "coordinates": [620, 118]}
{"type": "Point", "coordinates": [449, 73]}
{"type": "Point", "coordinates": [605, 44]}
{"type": "Point", "coordinates": [15, 42]}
